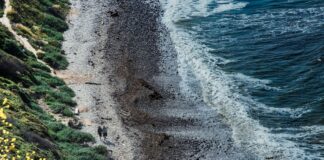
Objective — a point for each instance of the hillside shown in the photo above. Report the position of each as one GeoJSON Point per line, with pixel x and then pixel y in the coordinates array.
{"type": "Point", "coordinates": [33, 100]}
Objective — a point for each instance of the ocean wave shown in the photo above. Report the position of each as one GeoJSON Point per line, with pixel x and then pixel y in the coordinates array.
{"type": "Point", "coordinates": [274, 22]}
{"type": "Point", "coordinates": [251, 82]}
{"type": "Point", "coordinates": [219, 90]}
{"type": "Point", "coordinates": [200, 8]}
{"type": "Point", "coordinates": [227, 6]}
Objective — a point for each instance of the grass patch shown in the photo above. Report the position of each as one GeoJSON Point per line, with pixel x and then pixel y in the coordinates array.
{"type": "Point", "coordinates": [55, 93]}
{"type": "Point", "coordinates": [1, 8]}
{"type": "Point", "coordinates": [42, 22]}
{"type": "Point", "coordinates": [60, 97]}
{"type": "Point", "coordinates": [37, 65]}
{"type": "Point", "coordinates": [73, 136]}
{"type": "Point", "coordinates": [83, 153]}
{"type": "Point", "coordinates": [11, 46]}
{"type": "Point", "coordinates": [64, 134]}
{"type": "Point", "coordinates": [67, 90]}
{"type": "Point", "coordinates": [49, 80]}
{"type": "Point", "coordinates": [55, 60]}
{"type": "Point", "coordinates": [60, 101]}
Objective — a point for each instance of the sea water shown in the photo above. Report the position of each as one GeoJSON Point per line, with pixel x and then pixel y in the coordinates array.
{"type": "Point", "coordinates": [259, 63]}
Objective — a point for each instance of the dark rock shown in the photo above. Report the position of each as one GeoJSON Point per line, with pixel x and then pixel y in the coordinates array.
{"type": "Point", "coordinates": [76, 124]}
{"type": "Point", "coordinates": [164, 137]}
{"type": "Point", "coordinates": [113, 13]}
{"type": "Point", "coordinates": [42, 143]}
{"type": "Point", "coordinates": [14, 69]}
{"type": "Point", "coordinates": [155, 95]}
{"type": "Point", "coordinates": [93, 83]}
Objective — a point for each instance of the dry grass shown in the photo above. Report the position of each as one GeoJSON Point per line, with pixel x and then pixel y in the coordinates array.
{"type": "Point", "coordinates": [26, 30]}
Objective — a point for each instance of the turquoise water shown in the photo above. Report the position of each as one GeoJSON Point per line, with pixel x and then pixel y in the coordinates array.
{"type": "Point", "coordinates": [260, 64]}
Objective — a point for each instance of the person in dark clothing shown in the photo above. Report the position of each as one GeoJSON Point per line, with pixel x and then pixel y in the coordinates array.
{"type": "Point", "coordinates": [100, 131]}
{"type": "Point", "coordinates": [105, 132]}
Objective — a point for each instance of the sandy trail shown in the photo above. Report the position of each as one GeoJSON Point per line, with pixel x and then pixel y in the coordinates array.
{"type": "Point", "coordinates": [91, 77]}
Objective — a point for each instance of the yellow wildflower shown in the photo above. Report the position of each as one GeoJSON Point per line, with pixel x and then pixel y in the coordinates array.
{"type": "Point", "coordinates": [2, 114]}
{"type": "Point", "coordinates": [5, 101]}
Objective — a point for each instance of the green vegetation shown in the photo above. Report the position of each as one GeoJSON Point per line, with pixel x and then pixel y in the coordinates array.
{"type": "Point", "coordinates": [24, 82]}
{"type": "Point", "coordinates": [37, 131]}
{"type": "Point", "coordinates": [81, 153]}
{"type": "Point", "coordinates": [1, 8]}
{"type": "Point", "coordinates": [42, 22]}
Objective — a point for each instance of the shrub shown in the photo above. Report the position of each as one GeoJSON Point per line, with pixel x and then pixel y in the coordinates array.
{"type": "Point", "coordinates": [55, 60]}
{"type": "Point", "coordinates": [61, 98]}
{"type": "Point", "coordinates": [13, 48]}
{"type": "Point", "coordinates": [53, 34]}
{"type": "Point", "coordinates": [73, 136]}
{"type": "Point", "coordinates": [65, 89]}
{"type": "Point", "coordinates": [54, 22]}
{"type": "Point", "coordinates": [1, 7]}
{"type": "Point", "coordinates": [32, 62]}
{"type": "Point", "coordinates": [40, 90]}
{"type": "Point", "coordinates": [101, 150]}
{"type": "Point", "coordinates": [35, 107]}
{"type": "Point", "coordinates": [67, 112]}
{"type": "Point", "coordinates": [55, 126]}
{"type": "Point", "coordinates": [25, 30]}
{"type": "Point", "coordinates": [47, 79]}
{"type": "Point", "coordinates": [82, 153]}
{"type": "Point", "coordinates": [56, 107]}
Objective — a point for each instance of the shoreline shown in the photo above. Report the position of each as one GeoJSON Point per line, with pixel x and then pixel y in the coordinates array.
{"type": "Point", "coordinates": [123, 47]}
{"type": "Point", "coordinates": [170, 125]}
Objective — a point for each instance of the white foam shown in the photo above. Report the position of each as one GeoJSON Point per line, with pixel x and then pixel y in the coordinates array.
{"type": "Point", "coordinates": [200, 8]}
{"type": "Point", "coordinates": [229, 6]}
{"type": "Point", "coordinates": [280, 21]}
{"type": "Point", "coordinates": [220, 92]}
{"type": "Point", "coordinates": [252, 82]}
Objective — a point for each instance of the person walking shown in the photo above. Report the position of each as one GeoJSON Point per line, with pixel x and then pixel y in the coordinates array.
{"type": "Point", "coordinates": [105, 132]}
{"type": "Point", "coordinates": [100, 132]}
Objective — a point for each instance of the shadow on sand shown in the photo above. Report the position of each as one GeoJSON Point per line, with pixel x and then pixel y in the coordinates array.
{"type": "Point", "coordinates": [106, 142]}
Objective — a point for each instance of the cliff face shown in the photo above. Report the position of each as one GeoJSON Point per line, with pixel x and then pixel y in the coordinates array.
{"type": "Point", "coordinates": [27, 87]}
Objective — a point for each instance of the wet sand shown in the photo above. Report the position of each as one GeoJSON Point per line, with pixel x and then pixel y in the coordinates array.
{"type": "Point", "coordinates": [126, 54]}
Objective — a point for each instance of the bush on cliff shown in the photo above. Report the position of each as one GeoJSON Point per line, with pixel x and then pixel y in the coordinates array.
{"type": "Point", "coordinates": [1, 8]}
{"type": "Point", "coordinates": [42, 22]}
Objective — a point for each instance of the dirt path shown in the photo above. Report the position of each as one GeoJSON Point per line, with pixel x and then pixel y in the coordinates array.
{"type": "Point", "coordinates": [90, 74]}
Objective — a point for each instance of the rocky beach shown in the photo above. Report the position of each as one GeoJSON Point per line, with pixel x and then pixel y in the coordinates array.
{"type": "Point", "coordinates": [161, 79]}
{"type": "Point", "coordinates": [123, 69]}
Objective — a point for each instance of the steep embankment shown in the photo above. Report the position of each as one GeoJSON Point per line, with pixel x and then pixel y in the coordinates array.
{"type": "Point", "coordinates": [35, 27]}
